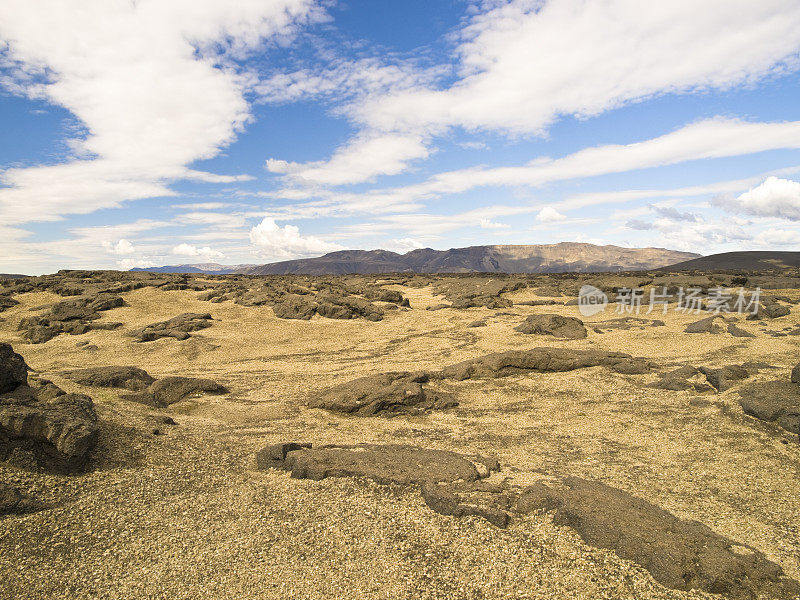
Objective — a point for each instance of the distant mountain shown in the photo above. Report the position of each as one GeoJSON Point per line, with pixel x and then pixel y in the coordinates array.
{"type": "Point", "coordinates": [543, 258]}
{"type": "Point", "coordinates": [211, 268]}
{"type": "Point", "coordinates": [739, 261]}
{"type": "Point", "coordinates": [11, 276]}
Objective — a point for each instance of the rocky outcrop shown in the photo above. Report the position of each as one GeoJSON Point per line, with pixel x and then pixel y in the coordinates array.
{"type": "Point", "coordinates": [41, 426]}
{"type": "Point", "coordinates": [543, 360]}
{"type": "Point", "coordinates": [725, 377]}
{"type": "Point", "coordinates": [685, 377]}
{"type": "Point", "coordinates": [70, 316]}
{"type": "Point", "coordinates": [177, 327]}
{"type": "Point", "coordinates": [172, 389]}
{"type": "Point", "coordinates": [129, 378]}
{"type": "Point", "coordinates": [773, 401]}
{"type": "Point", "coordinates": [707, 325]}
{"type": "Point", "coordinates": [682, 555]}
{"type": "Point", "coordinates": [386, 393]}
{"type": "Point", "coordinates": [561, 327]}
{"type": "Point", "coordinates": [13, 370]}
{"type": "Point", "coordinates": [796, 374]}
{"type": "Point", "coordinates": [12, 501]}
{"type": "Point", "coordinates": [451, 484]}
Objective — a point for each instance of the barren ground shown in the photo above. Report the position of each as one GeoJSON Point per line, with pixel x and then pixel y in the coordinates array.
{"type": "Point", "coordinates": [187, 515]}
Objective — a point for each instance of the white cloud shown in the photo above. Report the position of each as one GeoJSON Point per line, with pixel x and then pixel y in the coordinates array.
{"type": "Point", "coordinates": [775, 197]}
{"type": "Point", "coordinates": [204, 252]}
{"type": "Point", "coordinates": [273, 241]}
{"type": "Point", "coordinates": [549, 215]}
{"type": "Point", "coordinates": [708, 139]}
{"type": "Point", "coordinates": [404, 245]}
{"type": "Point", "coordinates": [129, 263]}
{"type": "Point", "coordinates": [778, 237]}
{"type": "Point", "coordinates": [524, 63]}
{"type": "Point", "coordinates": [489, 224]}
{"type": "Point", "coordinates": [123, 246]}
{"type": "Point", "coordinates": [148, 80]}
{"type": "Point", "coordinates": [360, 160]}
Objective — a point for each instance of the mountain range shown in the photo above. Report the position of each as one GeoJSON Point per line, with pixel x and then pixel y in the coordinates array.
{"type": "Point", "coordinates": [536, 258]}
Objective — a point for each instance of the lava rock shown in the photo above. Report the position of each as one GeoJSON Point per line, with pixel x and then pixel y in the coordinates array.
{"type": "Point", "coordinates": [773, 401]}
{"type": "Point", "coordinates": [561, 327]}
{"type": "Point", "coordinates": [386, 393]}
{"type": "Point", "coordinates": [13, 370]}
{"type": "Point", "coordinates": [129, 378]}
{"type": "Point", "coordinates": [679, 554]}
{"type": "Point", "coordinates": [543, 360]}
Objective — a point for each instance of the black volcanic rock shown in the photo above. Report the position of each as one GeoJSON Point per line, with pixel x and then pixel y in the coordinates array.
{"type": "Point", "coordinates": [386, 393]}
{"type": "Point", "coordinates": [13, 370]}
{"type": "Point", "coordinates": [561, 327]}
{"type": "Point", "coordinates": [130, 378]}
{"type": "Point", "coordinates": [679, 554]}
{"type": "Point", "coordinates": [542, 360]}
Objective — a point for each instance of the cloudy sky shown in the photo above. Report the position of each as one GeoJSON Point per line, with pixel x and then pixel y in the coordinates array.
{"type": "Point", "coordinates": [150, 132]}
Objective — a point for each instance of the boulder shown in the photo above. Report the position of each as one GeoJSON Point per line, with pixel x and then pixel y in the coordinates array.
{"type": "Point", "coordinates": [682, 378]}
{"type": "Point", "coordinates": [737, 331]}
{"type": "Point", "coordinates": [561, 327]}
{"type": "Point", "coordinates": [57, 434]}
{"type": "Point", "coordinates": [13, 370]}
{"type": "Point", "coordinates": [706, 325]}
{"type": "Point", "coordinates": [172, 389]}
{"type": "Point", "coordinates": [12, 501]}
{"type": "Point", "coordinates": [725, 377]}
{"type": "Point", "coordinates": [177, 327]}
{"type": "Point", "coordinates": [294, 306]}
{"type": "Point", "coordinates": [385, 464]}
{"type": "Point", "coordinates": [796, 374]}
{"type": "Point", "coordinates": [679, 554]}
{"type": "Point", "coordinates": [129, 378]}
{"type": "Point", "coordinates": [769, 309]}
{"type": "Point", "coordinates": [773, 401]}
{"type": "Point", "coordinates": [451, 484]}
{"type": "Point", "coordinates": [542, 360]}
{"type": "Point", "coordinates": [386, 393]}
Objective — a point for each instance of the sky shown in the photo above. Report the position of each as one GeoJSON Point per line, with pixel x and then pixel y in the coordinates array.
{"type": "Point", "coordinates": [155, 132]}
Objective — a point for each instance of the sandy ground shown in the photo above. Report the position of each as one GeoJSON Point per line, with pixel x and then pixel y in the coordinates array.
{"type": "Point", "coordinates": [186, 515]}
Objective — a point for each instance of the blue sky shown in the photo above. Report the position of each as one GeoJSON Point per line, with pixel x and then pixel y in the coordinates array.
{"type": "Point", "coordinates": [188, 131]}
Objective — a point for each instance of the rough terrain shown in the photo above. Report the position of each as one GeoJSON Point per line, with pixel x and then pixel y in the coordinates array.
{"type": "Point", "coordinates": [195, 436]}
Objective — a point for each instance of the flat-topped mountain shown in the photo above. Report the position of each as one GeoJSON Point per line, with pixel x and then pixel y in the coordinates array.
{"type": "Point", "coordinates": [538, 258]}
{"type": "Point", "coordinates": [744, 261]}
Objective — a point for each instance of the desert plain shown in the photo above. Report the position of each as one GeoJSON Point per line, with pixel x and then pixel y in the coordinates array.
{"type": "Point", "coordinates": [588, 460]}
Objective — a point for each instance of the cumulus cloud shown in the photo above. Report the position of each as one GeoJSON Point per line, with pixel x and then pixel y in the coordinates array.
{"type": "Point", "coordinates": [775, 197]}
{"type": "Point", "coordinates": [549, 215]}
{"type": "Point", "coordinates": [273, 241]}
{"type": "Point", "coordinates": [404, 245]}
{"type": "Point", "coordinates": [121, 247]}
{"type": "Point", "coordinates": [204, 252]}
{"type": "Point", "coordinates": [130, 263]}
{"type": "Point", "coordinates": [778, 237]}
{"type": "Point", "coordinates": [149, 82]}
{"type": "Point", "coordinates": [489, 224]}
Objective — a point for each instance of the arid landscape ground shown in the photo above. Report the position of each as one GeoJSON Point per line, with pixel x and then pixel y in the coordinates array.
{"type": "Point", "coordinates": [669, 471]}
